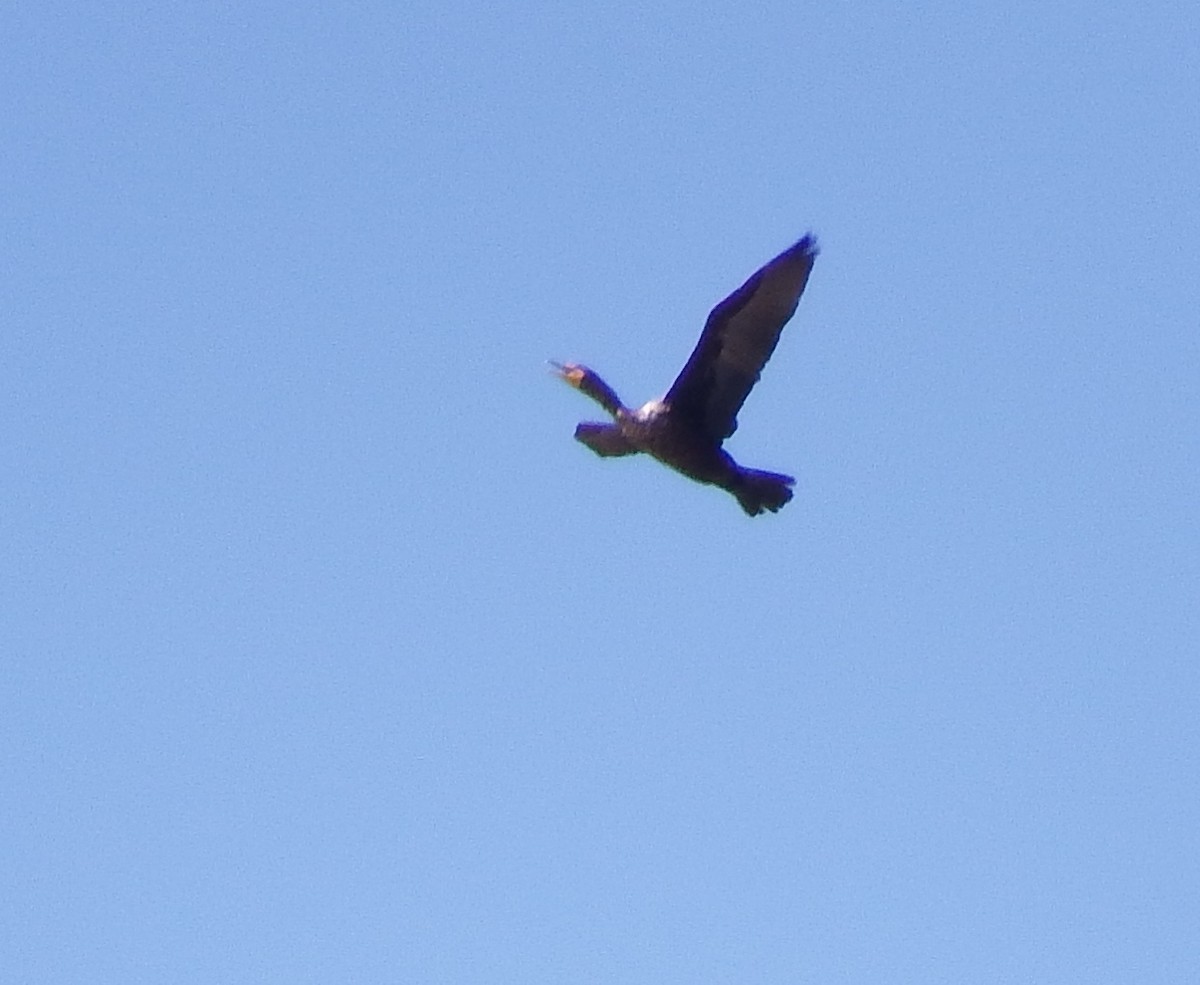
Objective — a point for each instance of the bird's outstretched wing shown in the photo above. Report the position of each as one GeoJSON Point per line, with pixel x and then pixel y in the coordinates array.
{"type": "Point", "coordinates": [605, 440]}
{"type": "Point", "coordinates": [738, 339]}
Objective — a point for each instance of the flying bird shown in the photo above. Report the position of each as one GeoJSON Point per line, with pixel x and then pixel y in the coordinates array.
{"type": "Point", "coordinates": [686, 428]}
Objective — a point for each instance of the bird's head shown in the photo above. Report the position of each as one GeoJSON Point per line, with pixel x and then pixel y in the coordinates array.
{"type": "Point", "coordinates": [589, 382]}
{"type": "Point", "coordinates": [572, 373]}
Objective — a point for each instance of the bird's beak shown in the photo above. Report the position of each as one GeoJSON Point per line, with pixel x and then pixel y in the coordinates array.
{"type": "Point", "coordinates": [568, 374]}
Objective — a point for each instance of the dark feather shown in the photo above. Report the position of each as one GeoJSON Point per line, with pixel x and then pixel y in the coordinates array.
{"type": "Point", "coordinates": [739, 337]}
{"type": "Point", "coordinates": [604, 439]}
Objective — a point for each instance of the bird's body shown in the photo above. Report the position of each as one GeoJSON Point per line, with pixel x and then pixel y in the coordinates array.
{"type": "Point", "coordinates": [686, 428]}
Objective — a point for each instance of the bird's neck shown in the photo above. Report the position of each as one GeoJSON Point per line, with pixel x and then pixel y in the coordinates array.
{"type": "Point", "coordinates": [603, 394]}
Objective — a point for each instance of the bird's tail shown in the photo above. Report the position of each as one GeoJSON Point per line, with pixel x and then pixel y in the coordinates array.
{"type": "Point", "coordinates": [758, 491]}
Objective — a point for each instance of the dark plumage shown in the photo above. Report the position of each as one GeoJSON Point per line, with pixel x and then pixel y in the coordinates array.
{"type": "Point", "coordinates": [685, 429]}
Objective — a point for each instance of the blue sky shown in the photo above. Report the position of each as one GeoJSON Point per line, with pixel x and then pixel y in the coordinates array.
{"type": "Point", "coordinates": [329, 656]}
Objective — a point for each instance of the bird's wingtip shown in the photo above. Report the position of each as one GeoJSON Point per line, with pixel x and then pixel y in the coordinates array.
{"type": "Point", "coordinates": [807, 244]}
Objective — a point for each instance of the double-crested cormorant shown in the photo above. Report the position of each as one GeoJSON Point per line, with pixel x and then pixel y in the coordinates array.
{"type": "Point", "coordinates": [685, 429]}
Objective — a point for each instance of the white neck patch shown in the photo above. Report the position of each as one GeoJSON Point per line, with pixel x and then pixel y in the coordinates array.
{"type": "Point", "coordinates": [650, 410]}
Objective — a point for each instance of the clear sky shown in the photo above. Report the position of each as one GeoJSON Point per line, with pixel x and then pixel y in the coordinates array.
{"type": "Point", "coordinates": [327, 655]}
